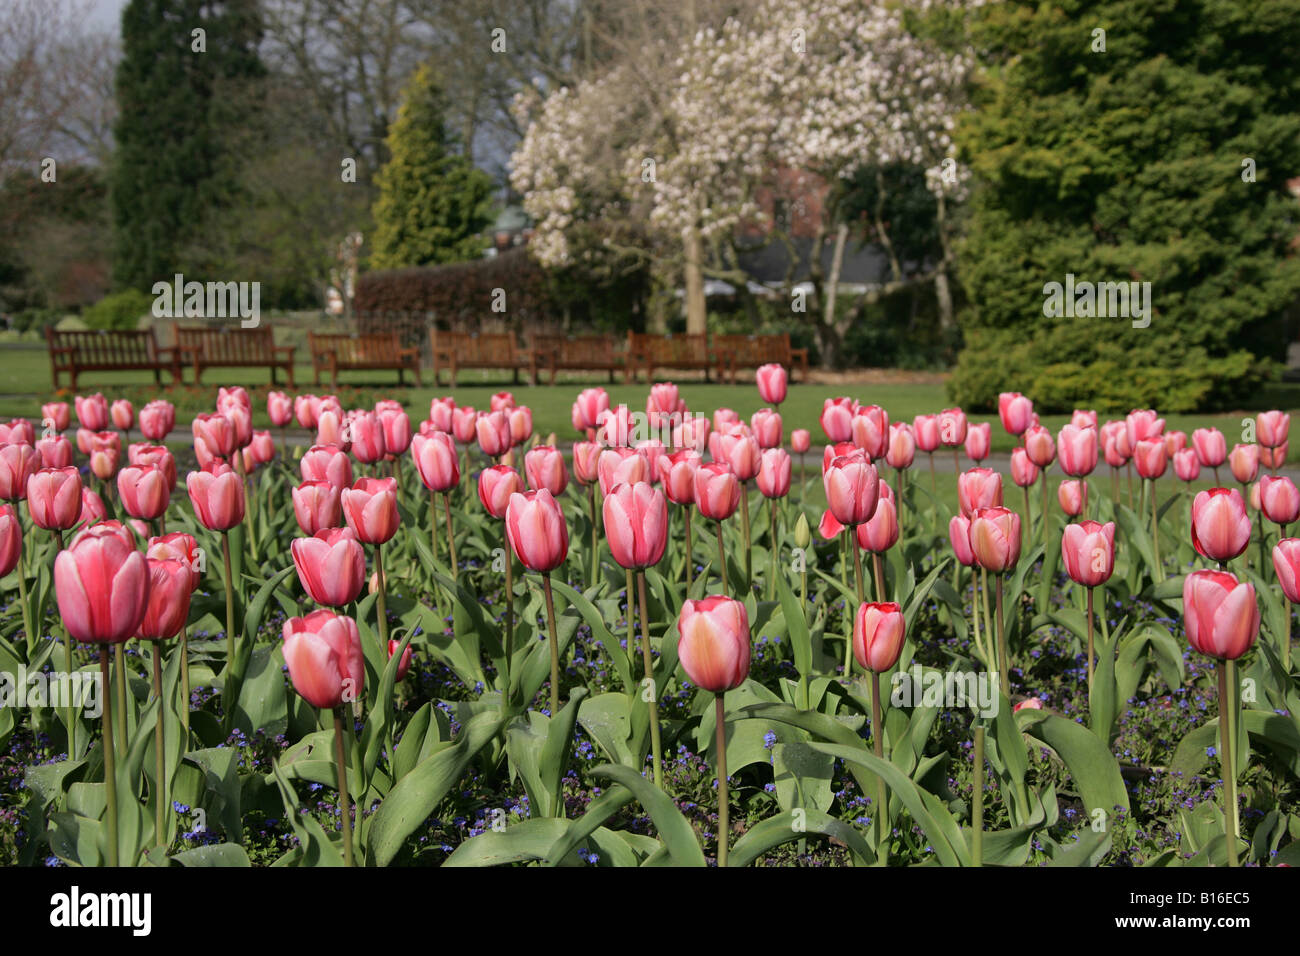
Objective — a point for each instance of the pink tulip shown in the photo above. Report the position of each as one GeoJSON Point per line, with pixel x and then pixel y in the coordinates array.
{"type": "Point", "coordinates": [1114, 444]}
{"type": "Point", "coordinates": [234, 395]}
{"type": "Point", "coordinates": [143, 491]}
{"type": "Point", "coordinates": [978, 438]}
{"type": "Point", "coordinates": [959, 538]}
{"type": "Point", "coordinates": [1278, 499]}
{"type": "Point", "coordinates": [317, 505]}
{"type": "Point", "coordinates": [17, 465]}
{"type": "Point", "coordinates": [1080, 418]}
{"type": "Point", "coordinates": [104, 456]}
{"type": "Point", "coordinates": [925, 428]}
{"type": "Point", "coordinates": [11, 539]}
{"type": "Point", "coordinates": [1268, 457]}
{"type": "Point", "coordinates": [774, 473]}
{"type": "Point", "coordinates": [333, 428]}
{"type": "Point", "coordinates": [902, 446]}
{"type": "Point", "coordinates": [323, 653]}
{"type": "Point", "coordinates": [717, 490]}
{"type": "Point", "coordinates": [1186, 465]}
{"type": "Point", "coordinates": [1015, 411]}
{"type": "Point", "coordinates": [1272, 428]}
{"type": "Point", "coordinates": [620, 465]}
{"type": "Point", "coordinates": [501, 402]}
{"type": "Point", "coordinates": [1244, 462]}
{"type": "Point", "coordinates": [1211, 447]}
{"type": "Point", "coordinates": [367, 437]}
{"type": "Point", "coordinates": [440, 413]}
{"type": "Point", "coordinates": [1221, 614]}
{"type": "Point", "coordinates": [995, 539]}
{"type": "Point", "coordinates": [18, 431]}
{"type": "Point", "coordinates": [636, 524]}
{"type": "Point", "coordinates": [217, 434]}
{"type": "Point", "coordinates": [1150, 457]}
{"type": "Point", "coordinates": [852, 490]}
{"type": "Point", "coordinates": [1073, 496]}
{"type": "Point", "coordinates": [879, 630]}
{"type": "Point", "coordinates": [218, 500]}
{"type": "Point", "coordinates": [978, 488]}
{"type": "Point", "coordinates": [766, 425]}
{"type": "Point", "coordinates": [159, 456]}
{"type": "Point", "coordinates": [952, 427]}
{"type": "Point", "coordinates": [521, 424]}
{"type": "Point", "coordinates": [102, 585]}
{"type": "Point", "coordinates": [723, 418]}
{"type": "Point", "coordinates": [652, 449]}
{"type": "Point", "coordinates": [592, 403]}
{"type": "Point", "coordinates": [537, 531]}
{"type": "Point", "coordinates": [1023, 471]}
{"type": "Point", "coordinates": [279, 408]}
{"type": "Point", "coordinates": [1220, 525]}
{"type": "Point", "coordinates": [837, 418]}
{"type": "Point", "coordinates": [1077, 447]}
{"type": "Point", "coordinates": [1175, 442]}
{"type": "Point", "coordinates": [404, 665]}
{"type": "Point", "coordinates": [713, 643]}
{"type": "Point", "coordinates": [331, 566]}
{"type": "Point", "coordinates": [464, 424]}
{"type": "Point", "coordinates": [92, 412]}
{"type": "Point", "coordinates": [880, 533]}
{"type": "Point", "coordinates": [54, 498]}
{"type": "Point", "coordinates": [496, 486]}
{"type": "Point", "coordinates": [168, 607]}
{"type": "Point", "coordinates": [1286, 564]}
{"type": "Point", "coordinates": [1039, 446]}
{"type": "Point", "coordinates": [493, 432]}
{"type": "Point", "coordinates": [544, 466]}
{"type": "Point", "coordinates": [122, 413]}
{"type": "Point", "coordinates": [436, 461]}
{"type": "Point", "coordinates": [396, 426]}
{"type": "Point", "coordinates": [1143, 425]}
{"type": "Point", "coordinates": [692, 433]}
{"type": "Point", "coordinates": [327, 463]}
{"type": "Point", "coordinates": [56, 451]}
{"type": "Point", "coordinates": [772, 382]}
{"type": "Point", "coordinates": [740, 451]}
{"type": "Point", "coordinates": [370, 509]}
{"type": "Point", "coordinates": [586, 462]}
{"type": "Point", "coordinates": [846, 448]}
{"type": "Point", "coordinates": [677, 474]}
{"type": "Point", "coordinates": [56, 415]}
{"type": "Point", "coordinates": [306, 409]}
{"type": "Point", "coordinates": [663, 398]}
{"type": "Point", "coordinates": [870, 430]}
{"type": "Point", "coordinates": [800, 440]}
{"type": "Point", "coordinates": [92, 507]}
{"type": "Point", "coordinates": [616, 426]}
{"type": "Point", "coordinates": [262, 448]}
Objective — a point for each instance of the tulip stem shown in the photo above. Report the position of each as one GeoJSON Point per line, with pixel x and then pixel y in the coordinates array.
{"type": "Point", "coordinates": [899, 482]}
{"type": "Point", "coordinates": [934, 488]}
{"type": "Point", "coordinates": [1043, 527]}
{"type": "Point", "coordinates": [975, 616]}
{"type": "Point", "coordinates": [451, 540]}
{"type": "Point", "coordinates": [956, 460]}
{"type": "Point", "coordinates": [1090, 645]}
{"type": "Point", "coordinates": [22, 599]}
{"type": "Point", "coordinates": [1002, 641]}
{"type": "Point", "coordinates": [1155, 532]}
{"type": "Point", "coordinates": [110, 759]}
{"type": "Point", "coordinates": [857, 571]}
{"type": "Point", "coordinates": [977, 799]}
{"type": "Point", "coordinates": [555, 646]}
{"type": "Point", "coordinates": [160, 760]}
{"type": "Point", "coordinates": [345, 804]}
{"type": "Point", "coordinates": [230, 607]}
{"type": "Point", "coordinates": [722, 561]}
{"type": "Point", "coordinates": [510, 609]}
{"type": "Point", "coordinates": [772, 558]}
{"type": "Point", "coordinates": [1129, 468]}
{"type": "Point", "coordinates": [68, 665]}
{"type": "Point", "coordinates": [690, 552]}
{"type": "Point", "coordinates": [380, 601]}
{"type": "Point", "coordinates": [880, 576]}
{"type": "Point", "coordinates": [724, 799]}
{"type": "Point", "coordinates": [185, 681]}
{"type": "Point", "coordinates": [656, 745]}
{"type": "Point", "coordinates": [595, 541]}
{"type": "Point", "coordinates": [119, 674]}
{"type": "Point", "coordinates": [878, 746]}
{"type": "Point", "coordinates": [989, 636]}
{"type": "Point", "coordinates": [1028, 517]}
{"type": "Point", "coordinates": [1226, 741]}
{"type": "Point", "coordinates": [629, 589]}
{"type": "Point", "coordinates": [744, 518]}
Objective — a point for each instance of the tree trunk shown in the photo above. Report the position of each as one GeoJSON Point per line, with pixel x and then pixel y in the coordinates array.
{"type": "Point", "coordinates": [833, 282]}
{"type": "Point", "coordinates": [696, 312]}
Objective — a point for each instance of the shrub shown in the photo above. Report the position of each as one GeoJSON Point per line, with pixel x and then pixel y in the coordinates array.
{"type": "Point", "coordinates": [120, 310]}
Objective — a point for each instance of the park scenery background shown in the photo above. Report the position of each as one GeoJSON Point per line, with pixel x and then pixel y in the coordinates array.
{"type": "Point", "coordinates": [595, 433]}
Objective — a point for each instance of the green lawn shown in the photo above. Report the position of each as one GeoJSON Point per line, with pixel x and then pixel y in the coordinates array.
{"type": "Point", "coordinates": [25, 383]}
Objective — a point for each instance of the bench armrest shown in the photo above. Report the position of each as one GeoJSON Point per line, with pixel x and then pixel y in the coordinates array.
{"type": "Point", "coordinates": [284, 348]}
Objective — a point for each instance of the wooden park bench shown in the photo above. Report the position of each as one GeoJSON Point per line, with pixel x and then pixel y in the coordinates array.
{"type": "Point", "coordinates": [651, 352]}
{"type": "Point", "coordinates": [361, 350]}
{"type": "Point", "coordinates": [751, 351]}
{"type": "Point", "coordinates": [233, 348]}
{"type": "Point", "coordinates": [491, 350]}
{"type": "Point", "coordinates": [109, 350]}
{"type": "Point", "coordinates": [584, 353]}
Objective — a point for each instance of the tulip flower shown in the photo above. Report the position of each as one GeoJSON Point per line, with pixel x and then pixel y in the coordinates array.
{"type": "Point", "coordinates": [1272, 428]}
{"type": "Point", "coordinates": [869, 430]}
{"type": "Point", "coordinates": [1088, 553]}
{"type": "Point", "coordinates": [901, 451]}
{"type": "Point", "coordinates": [663, 397]}
{"type": "Point", "coordinates": [620, 465]}
{"type": "Point", "coordinates": [56, 415]}
{"type": "Point", "coordinates": [143, 491]}
{"type": "Point", "coordinates": [692, 433]}
{"type": "Point", "coordinates": [1271, 458]}
{"type": "Point", "coordinates": [1211, 448]}
{"type": "Point", "coordinates": [959, 538]}
{"type": "Point", "coordinates": [978, 439]}
{"type": "Point", "coordinates": [651, 449]}
{"type": "Point", "coordinates": [952, 427]}
{"type": "Point", "coordinates": [852, 489]}
{"type": "Point", "coordinates": [396, 426]}
{"type": "Point", "coordinates": [168, 606]}
{"type": "Point", "coordinates": [880, 533]}
{"type": "Point", "coordinates": [92, 412]}
{"type": "Point", "coordinates": [1081, 418]}
{"type": "Point", "coordinates": [1279, 500]}
{"type": "Point", "coordinates": [327, 463]}
{"type": "Point", "coordinates": [331, 566]}
{"type": "Point", "coordinates": [1222, 618]}
{"type": "Point", "coordinates": [1077, 447]}
{"type": "Point", "coordinates": [677, 475]}
{"type": "Point", "coordinates": [17, 431]}
{"type": "Point", "coordinates": [1015, 411]}
{"type": "Point", "coordinates": [520, 421]}
{"type": "Point", "coordinates": [54, 499]}
{"type": "Point", "coordinates": [122, 414]}
{"type": "Point", "coordinates": [774, 473]}
{"type": "Point", "coordinates": [837, 419]}
{"type": "Point", "coordinates": [1023, 472]}
{"type": "Point", "coordinates": [544, 468]}
{"type": "Point", "coordinates": [55, 451]}
{"type": "Point", "coordinates": [404, 665]}
{"type": "Point", "coordinates": [1073, 497]}
{"type": "Point", "coordinates": [766, 425]}
{"type": "Point", "coordinates": [772, 382]}
{"type": "Point", "coordinates": [92, 508]}
{"type": "Point", "coordinates": [18, 462]}
{"type": "Point", "coordinates": [879, 630]}
{"type": "Point", "coordinates": [995, 543]}
{"type": "Point", "coordinates": [326, 666]}
{"type": "Point", "coordinates": [1244, 462]}
{"type": "Point", "coordinates": [317, 505]}
{"type": "Point", "coordinates": [218, 501]}
{"type": "Point", "coordinates": [496, 485]}
{"type": "Point", "coordinates": [11, 558]}
{"type": "Point", "coordinates": [537, 533]}
{"type": "Point", "coordinates": [1286, 565]}
{"type": "Point", "coordinates": [591, 404]}
{"type": "Point", "coordinates": [831, 452]}
{"type": "Point", "coordinates": [306, 410]}
{"type": "Point", "coordinates": [1187, 465]}
{"type": "Point", "coordinates": [800, 440]}
{"type": "Point", "coordinates": [978, 488]}
{"type": "Point", "coordinates": [713, 646]}
{"type": "Point", "coordinates": [105, 454]}
{"type": "Point", "coordinates": [1220, 525]}
{"type": "Point", "coordinates": [367, 437]}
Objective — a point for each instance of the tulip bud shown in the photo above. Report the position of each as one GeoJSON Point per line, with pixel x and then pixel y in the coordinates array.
{"type": "Point", "coordinates": [802, 533]}
{"type": "Point", "coordinates": [11, 539]}
{"type": "Point", "coordinates": [879, 630]}
{"type": "Point", "coordinates": [404, 664]}
{"type": "Point", "coordinates": [1023, 471]}
{"type": "Point", "coordinates": [978, 438]}
{"type": "Point", "coordinates": [1015, 411]}
{"type": "Point", "coordinates": [1244, 462]}
{"type": "Point", "coordinates": [544, 466]}
{"type": "Point", "coordinates": [800, 440]}
{"type": "Point", "coordinates": [772, 382]}
{"type": "Point", "coordinates": [1073, 497]}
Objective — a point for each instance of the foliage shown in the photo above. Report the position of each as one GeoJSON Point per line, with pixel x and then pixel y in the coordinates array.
{"type": "Point", "coordinates": [119, 310]}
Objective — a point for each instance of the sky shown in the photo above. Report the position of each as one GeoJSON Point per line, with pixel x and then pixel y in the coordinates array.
{"type": "Point", "coordinates": [105, 13]}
